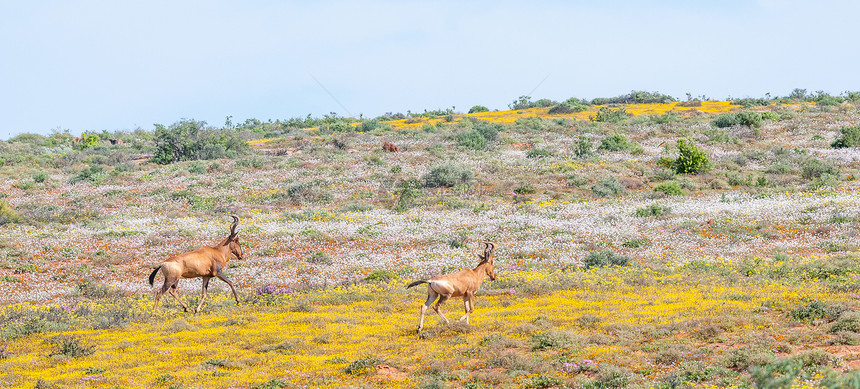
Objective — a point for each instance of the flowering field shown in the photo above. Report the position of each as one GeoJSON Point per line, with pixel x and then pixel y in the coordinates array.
{"type": "Point", "coordinates": [741, 274]}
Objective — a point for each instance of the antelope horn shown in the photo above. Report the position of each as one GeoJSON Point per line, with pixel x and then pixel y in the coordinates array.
{"type": "Point", "coordinates": [491, 246]}
{"type": "Point", "coordinates": [233, 226]}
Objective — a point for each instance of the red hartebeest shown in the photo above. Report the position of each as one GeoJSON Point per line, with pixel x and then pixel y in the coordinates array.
{"type": "Point", "coordinates": [205, 262]}
{"type": "Point", "coordinates": [463, 283]}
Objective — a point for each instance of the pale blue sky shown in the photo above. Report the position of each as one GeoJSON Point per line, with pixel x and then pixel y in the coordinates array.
{"type": "Point", "coordinates": [118, 65]}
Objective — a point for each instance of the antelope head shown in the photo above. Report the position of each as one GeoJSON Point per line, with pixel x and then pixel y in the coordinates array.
{"type": "Point", "coordinates": [487, 257]}
{"type": "Point", "coordinates": [233, 240]}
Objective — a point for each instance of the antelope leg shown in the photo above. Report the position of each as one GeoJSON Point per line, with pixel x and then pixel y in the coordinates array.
{"type": "Point", "coordinates": [203, 293]}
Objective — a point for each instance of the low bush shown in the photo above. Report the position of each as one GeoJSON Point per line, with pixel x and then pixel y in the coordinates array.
{"type": "Point", "coordinates": [653, 210]}
{"type": "Point", "coordinates": [7, 214]}
{"type": "Point", "coordinates": [670, 188]}
{"type": "Point", "coordinates": [691, 159]}
{"type": "Point", "coordinates": [725, 120]}
{"type": "Point", "coordinates": [635, 97]}
{"type": "Point", "coordinates": [848, 322]}
{"type": "Point", "coordinates": [606, 114]}
{"type": "Point", "coordinates": [608, 187]}
{"type": "Point", "coordinates": [582, 147]}
{"type": "Point", "coordinates": [94, 174]}
{"type": "Point", "coordinates": [305, 192]}
{"type": "Point", "coordinates": [743, 118]}
{"type": "Point", "coordinates": [362, 365]}
{"type": "Point", "coordinates": [525, 189]}
{"type": "Point", "coordinates": [570, 105]}
{"type": "Point", "coordinates": [816, 310]}
{"type": "Point", "coordinates": [472, 140]}
{"type": "Point", "coordinates": [537, 153]}
{"type": "Point", "coordinates": [320, 258]}
{"type": "Point", "coordinates": [447, 174]}
{"type": "Point", "coordinates": [617, 142]}
{"type": "Point", "coordinates": [559, 340]}
{"type": "Point", "coordinates": [380, 276]}
{"type": "Point", "coordinates": [70, 346]}
{"type": "Point", "coordinates": [407, 191]}
{"type": "Point", "coordinates": [40, 177]}
{"type": "Point", "coordinates": [749, 118]}
{"type": "Point", "coordinates": [604, 258]}
{"type": "Point", "coordinates": [815, 168]}
{"type": "Point", "coordinates": [850, 137]}
{"type": "Point", "coordinates": [478, 109]}
{"type": "Point", "coordinates": [190, 140]}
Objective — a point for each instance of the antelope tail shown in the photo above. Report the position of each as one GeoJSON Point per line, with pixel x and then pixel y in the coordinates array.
{"type": "Point", "coordinates": [152, 276]}
{"type": "Point", "coordinates": [416, 283]}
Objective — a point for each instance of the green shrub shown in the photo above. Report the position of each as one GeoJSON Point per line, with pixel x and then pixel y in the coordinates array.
{"type": "Point", "coordinates": [537, 153]}
{"type": "Point", "coordinates": [94, 174]}
{"type": "Point", "coordinates": [779, 168]}
{"type": "Point", "coordinates": [490, 131]}
{"type": "Point", "coordinates": [769, 115]}
{"type": "Point", "coordinates": [749, 118]}
{"type": "Point", "coordinates": [523, 102]}
{"type": "Point", "coordinates": [609, 377]}
{"type": "Point", "coordinates": [606, 114]}
{"type": "Point", "coordinates": [582, 147]}
{"type": "Point", "coordinates": [743, 358]}
{"type": "Point", "coordinates": [568, 106]}
{"type": "Point", "coordinates": [525, 189]}
{"type": "Point", "coordinates": [305, 192]}
{"type": "Point", "coordinates": [320, 258]}
{"type": "Point", "coordinates": [407, 191]}
{"type": "Point", "coordinates": [826, 100]}
{"type": "Point", "coordinates": [531, 123]}
{"type": "Point", "coordinates": [189, 140]}
{"type": "Point", "coordinates": [719, 136]}
{"type": "Point", "coordinates": [635, 97]}
{"type": "Point", "coordinates": [849, 322]}
{"type": "Point", "coordinates": [725, 120]}
{"type": "Point", "coordinates": [362, 365]}
{"type": "Point", "coordinates": [604, 258]}
{"type": "Point", "coordinates": [447, 174]}
{"type": "Point", "coordinates": [272, 384]}
{"type": "Point", "coordinates": [542, 381]}
{"type": "Point", "coordinates": [472, 140]}
{"type": "Point", "coordinates": [814, 168]}
{"type": "Point", "coordinates": [40, 177]}
{"type": "Point", "coordinates": [670, 188]}
{"type": "Point", "coordinates": [691, 159]}
{"type": "Point", "coordinates": [850, 379]}
{"type": "Point", "coordinates": [479, 108]}
{"type": "Point", "coordinates": [638, 242]}
{"type": "Point", "coordinates": [816, 310]}
{"type": "Point", "coordinates": [608, 187]}
{"type": "Point", "coordinates": [70, 346]}
{"type": "Point", "coordinates": [554, 340]}
{"type": "Point", "coordinates": [851, 97]}
{"type": "Point", "coordinates": [617, 142]}
{"type": "Point", "coordinates": [653, 210]}
{"type": "Point", "coordinates": [666, 118]}
{"type": "Point", "coordinates": [88, 141]}
{"type": "Point", "coordinates": [368, 125]}
{"type": "Point", "coordinates": [751, 102]}
{"type": "Point", "coordinates": [7, 214]}
{"type": "Point", "coordinates": [850, 138]}
{"type": "Point", "coordinates": [480, 137]}
{"type": "Point", "coordinates": [24, 185]}
{"type": "Point", "coordinates": [380, 275]}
